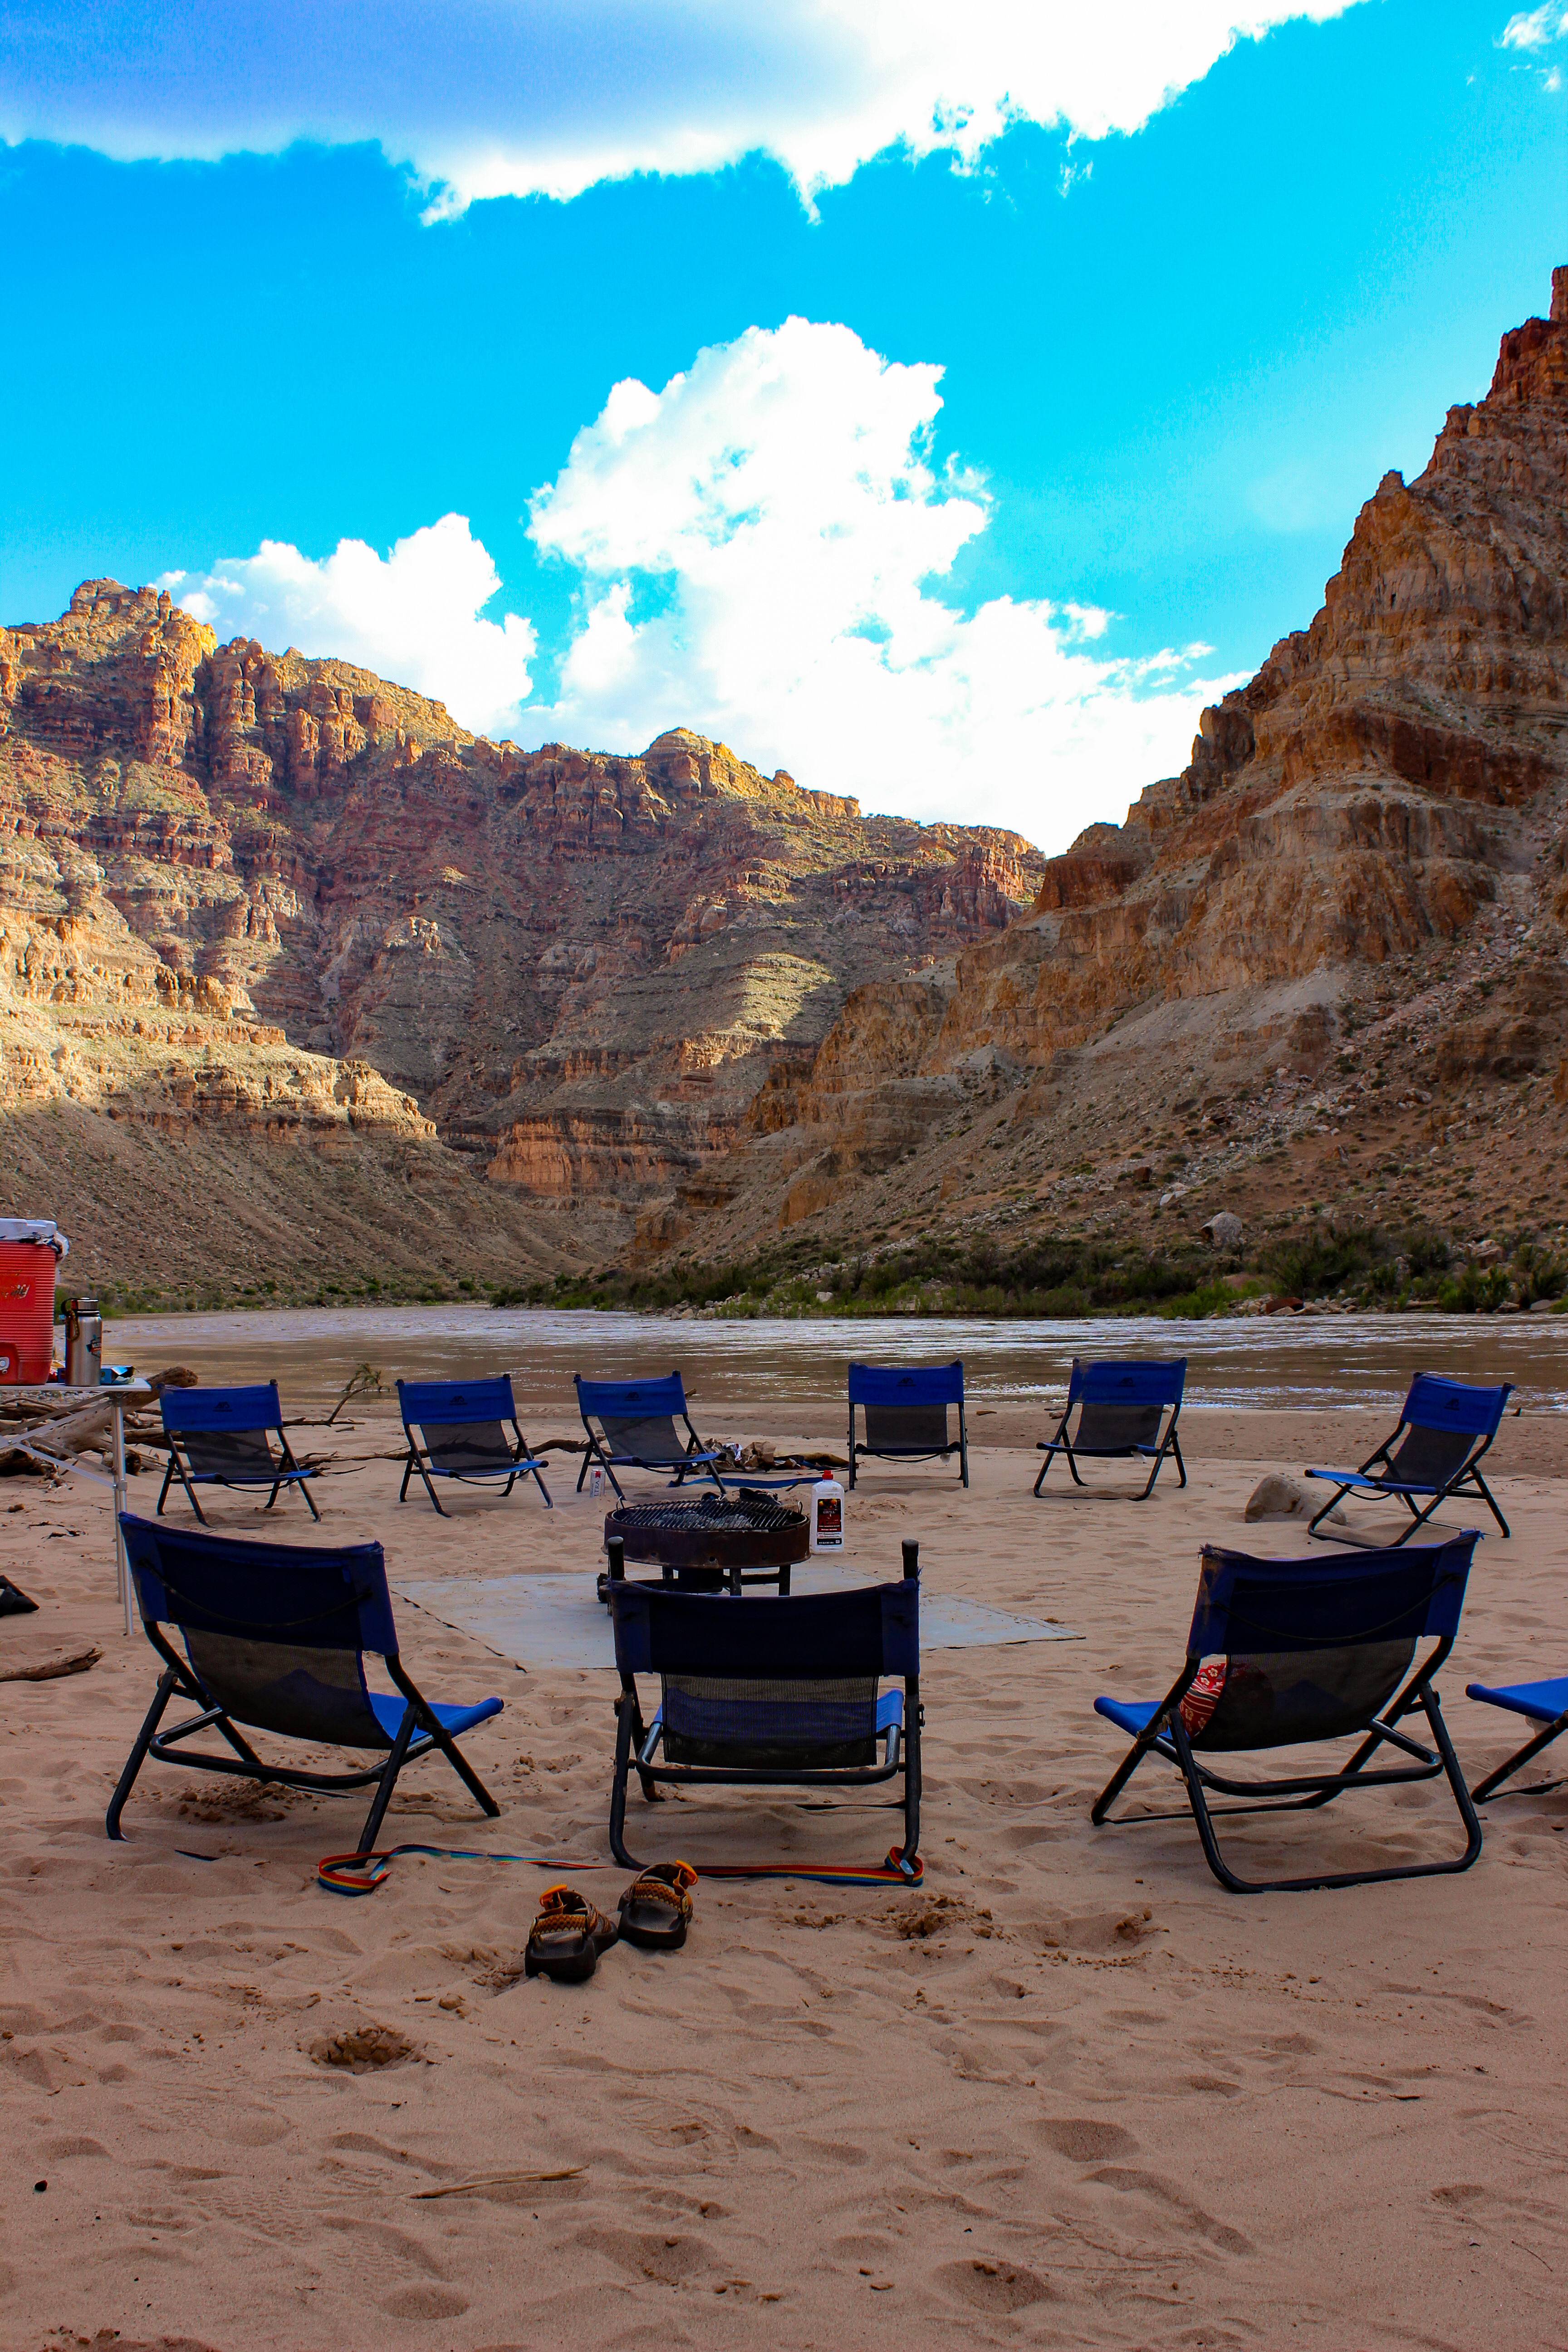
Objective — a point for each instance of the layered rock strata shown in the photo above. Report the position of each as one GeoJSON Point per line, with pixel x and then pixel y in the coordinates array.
{"type": "Point", "coordinates": [1362, 869]}
{"type": "Point", "coordinates": [247, 892]}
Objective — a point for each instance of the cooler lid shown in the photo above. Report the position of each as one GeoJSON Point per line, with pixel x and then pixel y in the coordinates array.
{"type": "Point", "coordinates": [34, 1229]}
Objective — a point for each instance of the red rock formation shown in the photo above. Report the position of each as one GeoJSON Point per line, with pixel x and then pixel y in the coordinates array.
{"type": "Point", "coordinates": [1368, 789]}
{"type": "Point", "coordinates": [579, 966]}
{"type": "Point", "coordinates": [1374, 825]}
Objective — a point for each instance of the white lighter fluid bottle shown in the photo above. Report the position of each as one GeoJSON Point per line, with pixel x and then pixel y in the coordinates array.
{"type": "Point", "coordinates": [828, 1516]}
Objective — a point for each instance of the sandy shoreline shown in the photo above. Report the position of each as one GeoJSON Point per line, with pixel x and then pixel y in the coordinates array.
{"type": "Point", "coordinates": [1098, 2101]}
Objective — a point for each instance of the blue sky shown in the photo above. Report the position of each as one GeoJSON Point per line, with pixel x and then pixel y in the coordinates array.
{"type": "Point", "coordinates": [980, 414]}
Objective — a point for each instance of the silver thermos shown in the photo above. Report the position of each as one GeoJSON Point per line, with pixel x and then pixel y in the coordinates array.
{"type": "Point", "coordinates": [84, 1343]}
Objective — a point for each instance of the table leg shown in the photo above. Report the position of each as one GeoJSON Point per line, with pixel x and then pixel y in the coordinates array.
{"type": "Point", "coordinates": [122, 1565]}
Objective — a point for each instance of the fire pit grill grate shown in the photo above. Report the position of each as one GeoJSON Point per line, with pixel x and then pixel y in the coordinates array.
{"type": "Point", "coordinates": [740, 1530]}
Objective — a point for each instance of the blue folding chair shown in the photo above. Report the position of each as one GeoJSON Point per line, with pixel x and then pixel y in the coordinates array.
{"type": "Point", "coordinates": [636, 1430]}
{"type": "Point", "coordinates": [275, 1638]}
{"type": "Point", "coordinates": [218, 1437]}
{"type": "Point", "coordinates": [905, 1411]}
{"type": "Point", "coordinates": [1308, 1650]}
{"type": "Point", "coordinates": [771, 1693]}
{"type": "Point", "coordinates": [461, 1427]}
{"type": "Point", "coordinates": [1545, 1703]}
{"type": "Point", "coordinates": [1121, 1408]}
{"type": "Point", "coordinates": [1446, 1426]}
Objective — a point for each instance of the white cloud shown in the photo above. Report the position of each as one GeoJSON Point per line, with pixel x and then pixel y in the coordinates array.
{"type": "Point", "coordinates": [1535, 28]}
{"type": "Point", "coordinates": [757, 552]}
{"type": "Point", "coordinates": [757, 545]}
{"type": "Point", "coordinates": [487, 98]}
{"type": "Point", "coordinates": [412, 616]}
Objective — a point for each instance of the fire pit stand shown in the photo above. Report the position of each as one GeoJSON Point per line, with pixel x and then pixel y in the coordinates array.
{"type": "Point", "coordinates": [713, 1545]}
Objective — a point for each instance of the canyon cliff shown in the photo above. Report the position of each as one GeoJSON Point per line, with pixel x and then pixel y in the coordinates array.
{"type": "Point", "coordinates": [295, 973]}
{"type": "Point", "coordinates": [308, 971]}
{"type": "Point", "coordinates": [1311, 970]}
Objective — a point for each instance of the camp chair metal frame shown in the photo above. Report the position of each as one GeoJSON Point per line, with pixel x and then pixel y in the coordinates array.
{"type": "Point", "coordinates": [436, 1404]}
{"type": "Point", "coordinates": [1131, 1387]}
{"type": "Point", "coordinates": [1451, 1409]}
{"type": "Point", "coordinates": [227, 1412]}
{"type": "Point", "coordinates": [870, 1632]}
{"type": "Point", "coordinates": [645, 1401]}
{"type": "Point", "coordinates": [360, 1600]}
{"type": "Point", "coordinates": [1526, 1699]}
{"type": "Point", "coordinates": [1228, 1585]}
{"type": "Point", "coordinates": [893, 1388]}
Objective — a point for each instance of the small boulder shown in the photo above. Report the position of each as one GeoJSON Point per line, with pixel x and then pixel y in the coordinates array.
{"type": "Point", "coordinates": [1280, 1496]}
{"type": "Point", "coordinates": [1224, 1230]}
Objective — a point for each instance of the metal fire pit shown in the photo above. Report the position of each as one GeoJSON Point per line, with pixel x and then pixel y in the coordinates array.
{"type": "Point", "coordinates": [739, 1538]}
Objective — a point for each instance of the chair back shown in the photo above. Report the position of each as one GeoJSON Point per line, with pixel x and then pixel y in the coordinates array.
{"type": "Point", "coordinates": [223, 1431]}
{"type": "Point", "coordinates": [276, 1632]}
{"type": "Point", "coordinates": [906, 1404]}
{"type": "Point", "coordinates": [637, 1417]}
{"type": "Point", "coordinates": [759, 1685]}
{"type": "Point", "coordinates": [1122, 1403]}
{"type": "Point", "coordinates": [1445, 1422]}
{"type": "Point", "coordinates": [461, 1421]}
{"type": "Point", "coordinates": [1315, 1647]}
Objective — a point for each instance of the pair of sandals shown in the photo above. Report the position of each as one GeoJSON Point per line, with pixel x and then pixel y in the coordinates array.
{"type": "Point", "coordinates": [566, 1940]}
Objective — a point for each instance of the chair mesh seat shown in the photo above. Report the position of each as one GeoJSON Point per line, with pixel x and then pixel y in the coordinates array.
{"type": "Point", "coordinates": [767, 1726]}
{"type": "Point", "coordinates": [1427, 1457]}
{"type": "Point", "coordinates": [470, 1448]}
{"type": "Point", "coordinates": [238, 1453]}
{"type": "Point", "coordinates": [906, 1428]}
{"type": "Point", "coordinates": [299, 1691]}
{"type": "Point", "coordinates": [1273, 1701]}
{"type": "Point", "coordinates": [1116, 1428]}
{"type": "Point", "coordinates": [652, 1440]}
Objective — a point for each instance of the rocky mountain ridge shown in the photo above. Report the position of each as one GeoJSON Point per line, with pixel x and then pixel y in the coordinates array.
{"type": "Point", "coordinates": [1321, 971]}
{"type": "Point", "coordinates": [249, 895]}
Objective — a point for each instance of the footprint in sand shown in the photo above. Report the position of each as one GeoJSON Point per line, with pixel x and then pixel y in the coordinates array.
{"type": "Point", "coordinates": [1083, 2140]}
{"type": "Point", "coordinates": [994, 2287]}
{"type": "Point", "coordinates": [425, 2302]}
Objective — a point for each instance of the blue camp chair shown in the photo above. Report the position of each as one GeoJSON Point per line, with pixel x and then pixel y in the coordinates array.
{"type": "Point", "coordinates": [905, 1409]}
{"type": "Point", "coordinates": [218, 1437]}
{"type": "Point", "coordinates": [1311, 1649]}
{"type": "Point", "coordinates": [461, 1428]}
{"type": "Point", "coordinates": [770, 1694]}
{"type": "Point", "coordinates": [636, 1430]}
{"type": "Point", "coordinates": [275, 1638]}
{"type": "Point", "coordinates": [1543, 1703]}
{"type": "Point", "coordinates": [1121, 1409]}
{"type": "Point", "coordinates": [1447, 1427]}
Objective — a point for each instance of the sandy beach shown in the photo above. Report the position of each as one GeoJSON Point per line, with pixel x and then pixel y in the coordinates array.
{"type": "Point", "coordinates": [1069, 2093]}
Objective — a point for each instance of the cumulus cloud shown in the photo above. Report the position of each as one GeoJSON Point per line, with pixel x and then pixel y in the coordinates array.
{"type": "Point", "coordinates": [1535, 28]}
{"type": "Point", "coordinates": [758, 547]}
{"type": "Point", "coordinates": [414, 616]}
{"type": "Point", "coordinates": [488, 98]}
{"type": "Point", "coordinates": [757, 550]}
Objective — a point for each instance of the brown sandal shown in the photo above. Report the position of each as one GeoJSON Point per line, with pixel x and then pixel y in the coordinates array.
{"type": "Point", "coordinates": [565, 1940]}
{"type": "Point", "coordinates": [655, 1908]}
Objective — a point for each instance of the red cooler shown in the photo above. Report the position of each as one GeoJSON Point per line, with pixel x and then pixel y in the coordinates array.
{"type": "Point", "coordinates": [30, 1252]}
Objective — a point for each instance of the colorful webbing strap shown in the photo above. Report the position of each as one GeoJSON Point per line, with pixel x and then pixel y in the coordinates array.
{"type": "Point", "coordinates": [894, 1872]}
{"type": "Point", "coordinates": [362, 1874]}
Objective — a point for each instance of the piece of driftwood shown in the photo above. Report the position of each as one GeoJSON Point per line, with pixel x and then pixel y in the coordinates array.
{"type": "Point", "coordinates": [77, 1663]}
{"type": "Point", "coordinates": [476, 2187]}
{"type": "Point", "coordinates": [47, 1443]}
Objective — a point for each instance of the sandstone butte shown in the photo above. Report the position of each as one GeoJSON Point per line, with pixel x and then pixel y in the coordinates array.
{"type": "Point", "coordinates": [297, 974]}
{"type": "Point", "coordinates": [300, 982]}
{"type": "Point", "coordinates": [1323, 970]}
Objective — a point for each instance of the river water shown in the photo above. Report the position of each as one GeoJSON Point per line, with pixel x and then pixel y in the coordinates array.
{"type": "Point", "coordinates": [1318, 1361]}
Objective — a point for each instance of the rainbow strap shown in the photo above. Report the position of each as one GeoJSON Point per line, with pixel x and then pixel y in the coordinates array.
{"type": "Point", "coordinates": [362, 1874]}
